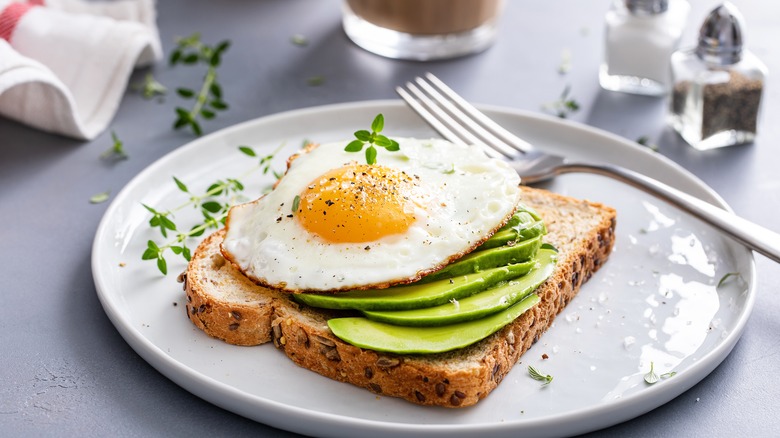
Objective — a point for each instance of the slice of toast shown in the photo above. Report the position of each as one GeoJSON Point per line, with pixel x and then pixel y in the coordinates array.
{"type": "Point", "coordinates": [226, 305]}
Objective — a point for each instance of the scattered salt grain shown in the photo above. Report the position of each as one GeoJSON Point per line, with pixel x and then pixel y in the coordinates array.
{"type": "Point", "coordinates": [628, 342]}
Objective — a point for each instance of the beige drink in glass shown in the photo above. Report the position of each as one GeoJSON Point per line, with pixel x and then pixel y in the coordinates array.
{"type": "Point", "coordinates": [422, 29]}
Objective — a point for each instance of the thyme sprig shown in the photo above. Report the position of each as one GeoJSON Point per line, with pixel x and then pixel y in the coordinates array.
{"type": "Point", "coordinates": [372, 139]}
{"type": "Point", "coordinates": [150, 87]}
{"type": "Point", "coordinates": [117, 149]}
{"type": "Point", "coordinates": [214, 205]}
{"type": "Point", "coordinates": [208, 99]}
{"type": "Point", "coordinates": [564, 106]}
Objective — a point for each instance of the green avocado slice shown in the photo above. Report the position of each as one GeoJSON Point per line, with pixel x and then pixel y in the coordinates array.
{"type": "Point", "coordinates": [380, 336]}
{"type": "Point", "coordinates": [520, 233]}
{"type": "Point", "coordinates": [477, 305]}
{"type": "Point", "coordinates": [417, 295]}
{"type": "Point", "coordinates": [487, 259]}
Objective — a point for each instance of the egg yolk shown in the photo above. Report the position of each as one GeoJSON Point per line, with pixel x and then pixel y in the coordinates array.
{"type": "Point", "coordinates": [358, 203]}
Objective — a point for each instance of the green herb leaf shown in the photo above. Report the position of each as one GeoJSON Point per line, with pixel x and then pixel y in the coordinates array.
{"type": "Point", "coordinates": [378, 124]}
{"type": "Point", "coordinates": [247, 151]}
{"type": "Point", "coordinates": [99, 198]}
{"type": "Point", "coordinates": [216, 91]}
{"type": "Point", "coordinates": [175, 57]}
{"type": "Point", "coordinates": [371, 155]}
{"type": "Point", "coordinates": [116, 150]}
{"type": "Point", "coordinates": [536, 375]}
{"type": "Point", "coordinates": [645, 141]}
{"type": "Point", "coordinates": [548, 246]}
{"type": "Point", "coordinates": [150, 88]}
{"type": "Point", "coordinates": [212, 206]}
{"type": "Point", "coordinates": [363, 135]}
{"type": "Point", "coordinates": [185, 93]}
{"type": "Point", "coordinates": [296, 203]}
{"type": "Point", "coordinates": [564, 106]}
{"type": "Point", "coordinates": [354, 146]}
{"type": "Point", "coordinates": [162, 265]}
{"type": "Point", "coordinates": [299, 40]}
{"type": "Point", "coordinates": [218, 105]}
{"type": "Point", "coordinates": [181, 185]}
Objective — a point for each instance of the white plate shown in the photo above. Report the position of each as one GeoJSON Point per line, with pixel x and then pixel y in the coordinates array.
{"type": "Point", "coordinates": [656, 299]}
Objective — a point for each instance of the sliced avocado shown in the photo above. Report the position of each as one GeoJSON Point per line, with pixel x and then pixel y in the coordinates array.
{"type": "Point", "coordinates": [520, 217]}
{"type": "Point", "coordinates": [475, 306]}
{"type": "Point", "coordinates": [380, 336]}
{"type": "Point", "coordinates": [524, 224]}
{"type": "Point", "coordinates": [417, 295]}
{"type": "Point", "coordinates": [487, 259]}
{"type": "Point", "coordinates": [514, 235]}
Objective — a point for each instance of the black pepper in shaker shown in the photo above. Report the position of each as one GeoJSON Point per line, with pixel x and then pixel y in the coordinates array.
{"type": "Point", "coordinates": [717, 85]}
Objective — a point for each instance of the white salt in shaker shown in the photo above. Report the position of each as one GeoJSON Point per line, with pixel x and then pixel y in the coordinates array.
{"type": "Point", "coordinates": [640, 37]}
{"type": "Point", "coordinates": [717, 85]}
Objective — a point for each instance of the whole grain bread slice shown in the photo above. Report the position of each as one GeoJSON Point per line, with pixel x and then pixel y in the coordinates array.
{"type": "Point", "coordinates": [226, 305]}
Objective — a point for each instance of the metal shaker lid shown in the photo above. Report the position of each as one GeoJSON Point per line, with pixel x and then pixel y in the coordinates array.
{"type": "Point", "coordinates": [647, 7]}
{"type": "Point", "coordinates": [720, 36]}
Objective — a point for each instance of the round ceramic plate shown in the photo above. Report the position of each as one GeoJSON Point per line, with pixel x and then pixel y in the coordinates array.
{"type": "Point", "coordinates": [674, 293]}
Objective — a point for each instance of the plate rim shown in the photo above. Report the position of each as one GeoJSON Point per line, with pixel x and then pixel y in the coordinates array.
{"type": "Point", "coordinates": [275, 413]}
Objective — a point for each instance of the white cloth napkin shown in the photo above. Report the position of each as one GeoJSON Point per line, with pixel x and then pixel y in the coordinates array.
{"type": "Point", "coordinates": [65, 64]}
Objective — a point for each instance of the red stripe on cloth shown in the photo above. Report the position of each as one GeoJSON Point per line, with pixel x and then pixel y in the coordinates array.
{"type": "Point", "coordinates": [36, 2]}
{"type": "Point", "coordinates": [10, 17]}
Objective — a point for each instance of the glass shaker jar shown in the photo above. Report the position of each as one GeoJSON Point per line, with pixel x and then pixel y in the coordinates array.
{"type": "Point", "coordinates": [640, 37]}
{"type": "Point", "coordinates": [717, 85]}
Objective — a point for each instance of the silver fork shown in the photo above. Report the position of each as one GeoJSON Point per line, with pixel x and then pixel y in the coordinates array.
{"type": "Point", "coordinates": [460, 122]}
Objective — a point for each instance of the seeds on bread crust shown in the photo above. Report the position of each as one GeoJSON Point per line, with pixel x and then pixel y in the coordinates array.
{"type": "Point", "coordinates": [385, 362]}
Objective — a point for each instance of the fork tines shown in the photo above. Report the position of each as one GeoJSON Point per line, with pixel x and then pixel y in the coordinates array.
{"type": "Point", "coordinates": [457, 120]}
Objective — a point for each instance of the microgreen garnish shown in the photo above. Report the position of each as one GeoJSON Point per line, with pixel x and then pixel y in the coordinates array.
{"type": "Point", "coordinates": [564, 106]}
{"type": "Point", "coordinates": [208, 100]}
{"type": "Point", "coordinates": [535, 374]}
{"type": "Point", "coordinates": [213, 205]}
{"type": "Point", "coordinates": [99, 198]}
{"type": "Point", "coordinates": [651, 377]}
{"type": "Point", "coordinates": [548, 246]}
{"type": "Point", "coordinates": [373, 138]}
{"type": "Point", "coordinates": [150, 88]}
{"type": "Point", "coordinates": [116, 150]}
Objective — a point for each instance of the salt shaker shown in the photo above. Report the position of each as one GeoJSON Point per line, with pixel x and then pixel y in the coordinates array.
{"type": "Point", "coordinates": [717, 85]}
{"type": "Point", "coordinates": [640, 37]}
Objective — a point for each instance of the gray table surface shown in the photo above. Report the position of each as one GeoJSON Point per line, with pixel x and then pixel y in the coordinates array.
{"type": "Point", "coordinates": [67, 372]}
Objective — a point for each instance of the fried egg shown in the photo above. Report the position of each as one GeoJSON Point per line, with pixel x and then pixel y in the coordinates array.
{"type": "Point", "coordinates": [335, 223]}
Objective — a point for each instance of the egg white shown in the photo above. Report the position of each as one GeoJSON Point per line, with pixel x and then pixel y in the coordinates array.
{"type": "Point", "coordinates": [467, 197]}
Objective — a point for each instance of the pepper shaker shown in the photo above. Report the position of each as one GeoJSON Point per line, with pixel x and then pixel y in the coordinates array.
{"type": "Point", "coordinates": [717, 85]}
{"type": "Point", "coordinates": [640, 37]}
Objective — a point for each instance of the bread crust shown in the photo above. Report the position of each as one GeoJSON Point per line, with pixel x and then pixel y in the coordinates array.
{"type": "Point", "coordinates": [582, 231]}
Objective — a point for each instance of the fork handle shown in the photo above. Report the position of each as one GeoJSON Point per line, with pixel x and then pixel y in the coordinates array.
{"type": "Point", "coordinates": [754, 236]}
